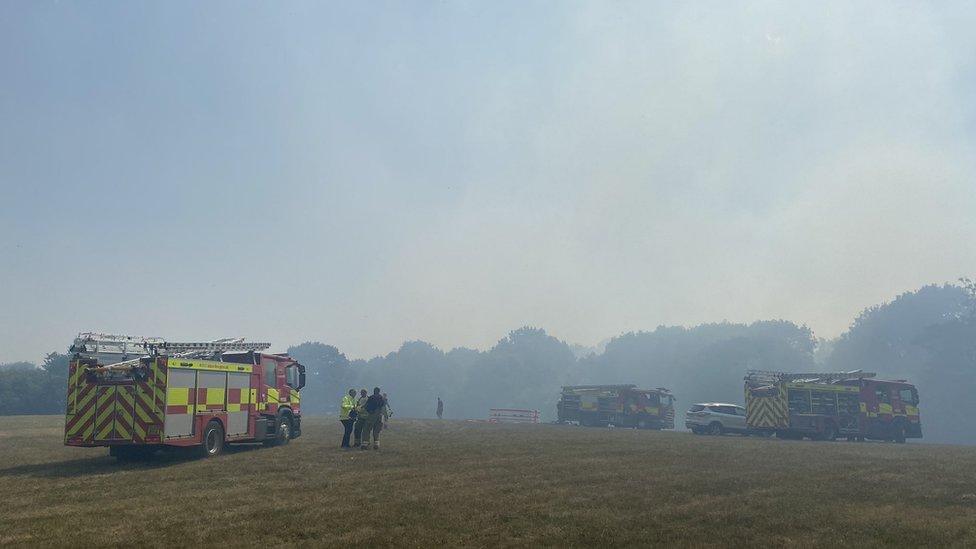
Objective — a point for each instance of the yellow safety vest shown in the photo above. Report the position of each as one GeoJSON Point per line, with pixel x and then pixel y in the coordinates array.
{"type": "Point", "coordinates": [348, 403]}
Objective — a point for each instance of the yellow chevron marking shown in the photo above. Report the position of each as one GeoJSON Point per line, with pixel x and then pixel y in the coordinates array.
{"type": "Point", "coordinates": [103, 434]}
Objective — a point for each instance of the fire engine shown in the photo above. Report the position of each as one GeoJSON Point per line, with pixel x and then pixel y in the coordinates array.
{"type": "Point", "coordinates": [823, 406]}
{"type": "Point", "coordinates": [136, 395]}
{"type": "Point", "coordinates": [617, 405]}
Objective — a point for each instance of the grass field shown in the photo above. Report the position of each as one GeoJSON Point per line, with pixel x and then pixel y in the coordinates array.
{"type": "Point", "coordinates": [462, 483]}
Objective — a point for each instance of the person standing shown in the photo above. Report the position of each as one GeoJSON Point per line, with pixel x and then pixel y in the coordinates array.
{"type": "Point", "coordinates": [360, 419]}
{"type": "Point", "coordinates": [440, 408]}
{"type": "Point", "coordinates": [347, 416]}
{"type": "Point", "coordinates": [387, 411]}
{"type": "Point", "coordinates": [373, 414]}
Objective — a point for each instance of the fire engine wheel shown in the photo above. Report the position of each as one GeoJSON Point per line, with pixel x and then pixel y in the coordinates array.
{"type": "Point", "coordinates": [282, 433]}
{"type": "Point", "coordinates": [715, 428]}
{"type": "Point", "coordinates": [213, 439]}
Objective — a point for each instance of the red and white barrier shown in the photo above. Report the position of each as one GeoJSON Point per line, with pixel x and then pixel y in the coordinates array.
{"type": "Point", "coordinates": [512, 415]}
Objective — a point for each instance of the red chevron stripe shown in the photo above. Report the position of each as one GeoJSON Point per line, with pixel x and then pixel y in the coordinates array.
{"type": "Point", "coordinates": [83, 392]}
{"type": "Point", "coordinates": [141, 405]}
{"type": "Point", "coordinates": [144, 427]}
{"type": "Point", "coordinates": [106, 423]}
{"type": "Point", "coordinates": [110, 416]}
{"type": "Point", "coordinates": [109, 402]}
{"type": "Point", "coordinates": [81, 413]}
{"type": "Point", "coordinates": [124, 404]}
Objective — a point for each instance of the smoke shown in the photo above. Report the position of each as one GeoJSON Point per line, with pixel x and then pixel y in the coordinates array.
{"type": "Point", "coordinates": [447, 172]}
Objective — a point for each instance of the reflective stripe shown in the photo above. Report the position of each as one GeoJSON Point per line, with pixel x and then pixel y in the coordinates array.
{"type": "Point", "coordinates": [211, 365]}
{"type": "Point", "coordinates": [178, 396]}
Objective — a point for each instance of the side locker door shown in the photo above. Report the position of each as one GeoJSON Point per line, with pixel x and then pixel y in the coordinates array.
{"type": "Point", "coordinates": [238, 393]}
{"type": "Point", "coordinates": [181, 393]}
{"type": "Point", "coordinates": [105, 412]}
{"type": "Point", "coordinates": [884, 402]}
{"type": "Point", "coordinates": [126, 427]}
{"type": "Point", "coordinates": [211, 391]}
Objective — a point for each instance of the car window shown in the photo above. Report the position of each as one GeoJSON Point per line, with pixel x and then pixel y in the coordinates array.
{"type": "Point", "coordinates": [696, 408]}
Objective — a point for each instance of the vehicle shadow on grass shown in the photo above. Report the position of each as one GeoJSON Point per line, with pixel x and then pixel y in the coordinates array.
{"type": "Point", "coordinates": [105, 464]}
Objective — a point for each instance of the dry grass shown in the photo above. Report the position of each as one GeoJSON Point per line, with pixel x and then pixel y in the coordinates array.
{"type": "Point", "coordinates": [455, 483]}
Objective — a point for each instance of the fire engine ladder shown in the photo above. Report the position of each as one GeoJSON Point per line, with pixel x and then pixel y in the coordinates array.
{"type": "Point", "coordinates": [118, 352]}
{"type": "Point", "coordinates": [767, 377]}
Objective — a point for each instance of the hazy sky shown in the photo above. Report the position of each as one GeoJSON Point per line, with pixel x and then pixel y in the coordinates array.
{"type": "Point", "coordinates": [364, 174]}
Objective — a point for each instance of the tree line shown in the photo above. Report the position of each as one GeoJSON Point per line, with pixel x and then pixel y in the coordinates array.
{"type": "Point", "coordinates": [927, 336]}
{"type": "Point", "coordinates": [26, 388]}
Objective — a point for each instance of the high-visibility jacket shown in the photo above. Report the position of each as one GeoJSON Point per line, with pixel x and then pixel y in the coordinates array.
{"type": "Point", "coordinates": [348, 404]}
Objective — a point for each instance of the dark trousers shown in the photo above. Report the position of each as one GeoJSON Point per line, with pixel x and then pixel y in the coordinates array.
{"type": "Point", "coordinates": [372, 424]}
{"type": "Point", "coordinates": [347, 425]}
{"type": "Point", "coordinates": [358, 431]}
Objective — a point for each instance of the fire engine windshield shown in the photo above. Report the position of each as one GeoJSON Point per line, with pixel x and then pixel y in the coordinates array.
{"type": "Point", "coordinates": [909, 395]}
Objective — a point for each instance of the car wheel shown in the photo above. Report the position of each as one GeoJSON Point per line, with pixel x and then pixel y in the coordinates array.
{"type": "Point", "coordinates": [213, 439]}
{"type": "Point", "coordinates": [715, 428]}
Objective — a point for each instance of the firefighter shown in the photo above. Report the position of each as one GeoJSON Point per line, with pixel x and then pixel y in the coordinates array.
{"type": "Point", "coordinates": [387, 411]}
{"type": "Point", "coordinates": [440, 408]}
{"type": "Point", "coordinates": [373, 415]}
{"type": "Point", "coordinates": [360, 417]}
{"type": "Point", "coordinates": [347, 416]}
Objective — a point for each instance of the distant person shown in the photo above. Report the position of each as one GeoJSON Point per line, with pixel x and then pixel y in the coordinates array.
{"type": "Point", "coordinates": [347, 416]}
{"type": "Point", "coordinates": [387, 411]}
{"type": "Point", "coordinates": [373, 419]}
{"type": "Point", "coordinates": [440, 408]}
{"type": "Point", "coordinates": [358, 431]}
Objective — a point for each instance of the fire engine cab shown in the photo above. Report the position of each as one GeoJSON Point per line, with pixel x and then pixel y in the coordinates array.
{"type": "Point", "coordinates": [136, 395]}
{"type": "Point", "coordinates": [827, 405]}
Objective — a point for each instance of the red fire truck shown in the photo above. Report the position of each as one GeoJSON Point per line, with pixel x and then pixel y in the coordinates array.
{"type": "Point", "coordinates": [824, 406]}
{"type": "Point", "coordinates": [617, 405]}
{"type": "Point", "coordinates": [200, 395]}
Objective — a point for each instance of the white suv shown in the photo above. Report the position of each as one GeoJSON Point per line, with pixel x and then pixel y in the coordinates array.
{"type": "Point", "coordinates": [715, 418]}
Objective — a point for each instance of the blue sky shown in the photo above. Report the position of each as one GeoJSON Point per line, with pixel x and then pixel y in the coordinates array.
{"type": "Point", "coordinates": [364, 174]}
